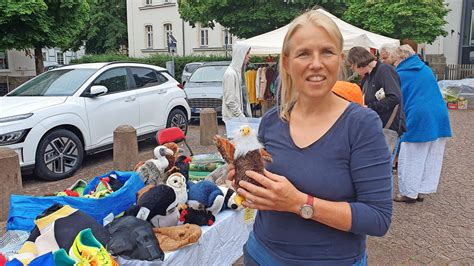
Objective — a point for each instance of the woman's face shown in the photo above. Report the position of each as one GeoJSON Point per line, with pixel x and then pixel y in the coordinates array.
{"type": "Point", "coordinates": [313, 61]}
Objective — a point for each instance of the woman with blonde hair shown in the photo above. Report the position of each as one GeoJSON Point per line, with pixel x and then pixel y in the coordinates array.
{"type": "Point", "coordinates": [427, 120]}
{"type": "Point", "coordinates": [329, 185]}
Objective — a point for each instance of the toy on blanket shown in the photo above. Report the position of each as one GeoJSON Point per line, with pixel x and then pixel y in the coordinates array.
{"type": "Point", "coordinates": [171, 157]}
{"type": "Point", "coordinates": [205, 195]}
{"type": "Point", "coordinates": [198, 217]}
{"type": "Point", "coordinates": [157, 204]}
{"type": "Point", "coordinates": [153, 171]}
{"type": "Point", "coordinates": [229, 199]}
{"type": "Point", "coordinates": [246, 153]}
{"type": "Point", "coordinates": [177, 182]}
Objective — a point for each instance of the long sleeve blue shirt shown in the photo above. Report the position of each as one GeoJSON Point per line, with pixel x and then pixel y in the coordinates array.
{"type": "Point", "coordinates": [350, 163]}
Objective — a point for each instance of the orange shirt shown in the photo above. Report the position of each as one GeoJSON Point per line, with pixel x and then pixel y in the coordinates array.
{"type": "Point", "coordinates": [349, 91]}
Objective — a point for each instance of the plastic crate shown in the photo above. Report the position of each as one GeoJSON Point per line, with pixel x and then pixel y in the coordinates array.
{"type": "Point", "coordinates": [233, 126]}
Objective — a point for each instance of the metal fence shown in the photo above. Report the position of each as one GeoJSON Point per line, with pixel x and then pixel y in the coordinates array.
{"type": "Point", "coordinates": [454, 72]}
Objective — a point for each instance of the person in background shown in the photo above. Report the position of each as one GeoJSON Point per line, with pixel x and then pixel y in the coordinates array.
{"type": "Point", "coordinates": [235, 101]}
{"type": "Point", "coordinates": [422, 145]}
{"type": "Point", "coordinates": [386, 54]}
{"type": "Point", "coordinates": [380, 86]}
{"type": "Point", "coordinates": [329, 185]}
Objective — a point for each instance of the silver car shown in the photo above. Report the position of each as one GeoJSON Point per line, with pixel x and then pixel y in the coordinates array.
{"type": "Point", "coordinates": [188, 69]}
{"type": "Point", "coordinates": [204, 88]}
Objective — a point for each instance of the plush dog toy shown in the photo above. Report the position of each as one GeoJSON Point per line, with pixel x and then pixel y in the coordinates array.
{"type": "Point", "coordinates": [157, 205]}
{"type": "Point", "coordinates": [205, 195]}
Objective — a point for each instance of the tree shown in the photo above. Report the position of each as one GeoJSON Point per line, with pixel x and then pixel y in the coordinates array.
{"type": "Point", "coordinates": [106, 30]}
{"type": "Point", "coordinates": [248, 18]}
{"type": "Point", "coordinates": [418, 20]}
{"type": "Point", "coordinates": [36, 24]}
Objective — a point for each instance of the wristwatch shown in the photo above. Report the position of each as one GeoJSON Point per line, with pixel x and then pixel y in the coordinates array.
{"type": "Point", "coordinates": [307, 210]}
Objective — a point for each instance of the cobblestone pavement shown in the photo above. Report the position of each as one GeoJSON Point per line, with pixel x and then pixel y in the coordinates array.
{"type": "Point", "coordinates": [438, 231]}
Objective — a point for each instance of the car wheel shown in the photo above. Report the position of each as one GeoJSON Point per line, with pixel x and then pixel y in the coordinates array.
{"type": "Point", "coordinates": [59, 155]}
{"type": "Point", "coordinates": [177, 118]}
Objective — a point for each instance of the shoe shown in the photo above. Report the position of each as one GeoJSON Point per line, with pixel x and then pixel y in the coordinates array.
{"type": "Point", "coordinates": [61, 258]}
{"type": "Point", "coordinates": [87, 251]}
{"type": "Point", "coordinates": [401, 198]}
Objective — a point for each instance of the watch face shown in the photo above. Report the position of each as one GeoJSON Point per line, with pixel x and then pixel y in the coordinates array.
{"type": "Point", "coordinates": [306, 211]}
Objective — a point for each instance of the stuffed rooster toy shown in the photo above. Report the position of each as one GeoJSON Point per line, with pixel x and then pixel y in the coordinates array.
{"type": "Point", "coordinates": [245, 152]}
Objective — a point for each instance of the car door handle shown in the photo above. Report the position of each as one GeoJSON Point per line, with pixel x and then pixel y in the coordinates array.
{"type": "Point", "coordinates": [161, 91]}
{"type": "Point", "coordinates": [130, 99]}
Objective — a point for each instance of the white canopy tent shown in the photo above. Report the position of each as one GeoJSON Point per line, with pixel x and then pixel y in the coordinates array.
{"type": "Point", "coordinates": [271, 42]}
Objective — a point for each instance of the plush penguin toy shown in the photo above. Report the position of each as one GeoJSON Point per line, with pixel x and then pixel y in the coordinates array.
{"type": "Point", "coordinates": [246, 153]}
{"type": "Point", "coordinates": [229, 199]}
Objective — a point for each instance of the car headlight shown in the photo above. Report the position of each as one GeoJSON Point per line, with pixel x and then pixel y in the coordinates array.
{"type": "Point", "coordinates": [15, 118]}
{"type": "Point", "coordinates": [13, 137]}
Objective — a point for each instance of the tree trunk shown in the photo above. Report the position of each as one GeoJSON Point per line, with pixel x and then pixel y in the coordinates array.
{"type": "Point", "coordinates": [39, 60]}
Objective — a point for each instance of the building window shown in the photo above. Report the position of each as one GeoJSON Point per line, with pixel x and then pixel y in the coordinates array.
{"type": "Point", "coordinates": [168, 29]}
{"type": "Point", "coordinates": [60, 57]}
{"type": "Point", "coordinates": [149, 36]}
{"type": "Point", "coordinates": [472, 28]}
{"type": "Point", "coordinates": [45, 57]}
{"type": "Point", "coordinates": [166, 1]}
{"type": "Point", "coordinates": [227, 41]}
{"type": "Point", "coordinates": [204, 37]}
{"type": "Point", "coordinates": [148, 2]}
{"type": "Point", "coordinates": [3, 59]}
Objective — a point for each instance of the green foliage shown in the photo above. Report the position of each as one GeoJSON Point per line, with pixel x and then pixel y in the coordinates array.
{"type": "Point", "coordinates": [41, 23]}
{"type": "Point", "coordinates": [157, 60]}
{"type": "Point", "coordinates": [248, 18]}
{"type": "Point", "coordinates": [418, 20]}
{"type": "Point", "coordinates": [106, 30]}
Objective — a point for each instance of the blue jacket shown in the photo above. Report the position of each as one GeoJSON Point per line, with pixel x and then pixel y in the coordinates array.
{"type": "Point", "coordinates": [426, 113]}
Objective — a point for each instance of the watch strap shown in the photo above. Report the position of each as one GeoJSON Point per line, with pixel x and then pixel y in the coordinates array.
{"type": "Point", "coordinates": [310, 200]}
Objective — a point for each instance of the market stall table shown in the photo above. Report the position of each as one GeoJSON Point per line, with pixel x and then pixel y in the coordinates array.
{"type": "Point", "coordinates": [219, 244]}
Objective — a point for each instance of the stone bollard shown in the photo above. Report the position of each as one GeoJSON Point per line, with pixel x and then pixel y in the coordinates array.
{"type": "Point", "coordinates": [125, 148]}
{"type": "Point", "coordinates": [207, 126]}
{"type": "Point", "coordinates": [10, 178]}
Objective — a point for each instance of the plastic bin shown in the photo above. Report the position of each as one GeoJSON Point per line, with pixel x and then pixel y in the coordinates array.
{"type": "Point", "coordinates": [233, 126]}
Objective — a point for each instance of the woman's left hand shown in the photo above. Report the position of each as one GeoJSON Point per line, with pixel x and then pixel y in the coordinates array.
{"type": "Point", "coordinates": [276, 193]}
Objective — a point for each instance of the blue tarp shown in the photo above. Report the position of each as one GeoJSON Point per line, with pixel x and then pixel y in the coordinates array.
{"type": "Point", "coordinates": [24, 209]}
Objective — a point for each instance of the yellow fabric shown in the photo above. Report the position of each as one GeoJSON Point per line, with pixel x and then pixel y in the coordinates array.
{"type": "Point", "coordinates": [28, 247]}
{"type": "Point", "coordinates": [250, 77]}
{"type": "Point", "coordinates": [61, 213]}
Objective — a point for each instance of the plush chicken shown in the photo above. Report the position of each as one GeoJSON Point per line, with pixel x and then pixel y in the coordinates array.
{"type": "Point", "coordinates": [152, 171]}
{"type": "Point", "coordinates": [245, 152]}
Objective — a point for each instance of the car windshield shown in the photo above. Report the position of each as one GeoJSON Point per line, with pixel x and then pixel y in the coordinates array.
{"type": "Point", "coordinates": [208, 74]}
{"type": "Point", "coordinates": [61, 82]}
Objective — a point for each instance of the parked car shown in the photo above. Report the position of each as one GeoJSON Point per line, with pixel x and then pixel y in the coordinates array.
{"type": "Point", "coordinates": [204, 88]}
{"type": "Point", "coordinates": [50, 65]}
{"type": "Point", "coordinates": [188, 69]}
{"type": "Point", "coordinates": [56, 118]}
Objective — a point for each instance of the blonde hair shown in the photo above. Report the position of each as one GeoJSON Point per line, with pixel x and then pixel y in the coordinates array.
{"type": "Point", "coordinates": [288, 94]}
{"type": "Point", "coordinates": [404, 51]}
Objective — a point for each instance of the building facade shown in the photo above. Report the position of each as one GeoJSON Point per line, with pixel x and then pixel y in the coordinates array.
{"type": "Point", "coordinates": [458, 46]}
{"type": "Point", "coordinates": [151, 22]}
{"type": "Point", "coordinates": [16, 66]}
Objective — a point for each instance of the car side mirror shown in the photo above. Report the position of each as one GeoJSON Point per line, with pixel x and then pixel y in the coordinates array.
{"type": "Point", "coordinates": [97, 90]}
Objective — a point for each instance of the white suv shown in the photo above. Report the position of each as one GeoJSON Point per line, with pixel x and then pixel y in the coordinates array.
{"type": "Point", "coordinates": [56, 118]}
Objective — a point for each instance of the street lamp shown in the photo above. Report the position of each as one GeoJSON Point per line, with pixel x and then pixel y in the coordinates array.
{"type": "Point", "coordinates": [226, 40]}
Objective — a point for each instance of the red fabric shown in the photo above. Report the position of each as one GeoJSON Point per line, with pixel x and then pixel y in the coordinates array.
{"type": "Point", "coordinates": [172, 134]}
{"type": "Point", "coordinates": [3, 260]}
